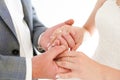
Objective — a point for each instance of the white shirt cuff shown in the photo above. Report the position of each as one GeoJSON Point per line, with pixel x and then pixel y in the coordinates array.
{"type": "Point", "coordinates": [28, 69]}
{"type": "Point", "coordinates": [37, 52]}
{"type": "Point", "coordinates": [40, 37]}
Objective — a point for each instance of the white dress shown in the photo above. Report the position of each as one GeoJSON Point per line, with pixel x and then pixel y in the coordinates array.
{"type": "Point", "coordinates": [108, 24]}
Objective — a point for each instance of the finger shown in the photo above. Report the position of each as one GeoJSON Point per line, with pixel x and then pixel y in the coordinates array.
{"type": "Point", "coordinates": [51, 41]}
{"type": "Point", "coordinates": [67, 54]}
{"type": "Point", "coordinates": [54, 51]}
{"type": "Point", "coordinates": [69, 39]}
{"type": "Point", "coordinates": [63, 70]}
{"type": "Point", "coordinates": [68, 59]}
{"type": "Point", "coordinates": [62, 41]}
{"type": "Point", "coordinates": [69, 22]}
{"type": "Point", "coordinates": [65, 64]}
{"type": "Point", "coordinates": [72, 33]}
{"type": "Point", "coordinates": [59, 41]}
{"type": "Point", "coordinates": [55, 43]}
{"type": "Point", "coordinates": [65, 75]}
{"type": "Point", "coordinates": [76, 47]}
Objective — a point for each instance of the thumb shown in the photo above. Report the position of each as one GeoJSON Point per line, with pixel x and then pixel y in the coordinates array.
{"type": "Point", "coordinates": [67, 22]}
{"type": "Point", "coordinates": [54, 51]}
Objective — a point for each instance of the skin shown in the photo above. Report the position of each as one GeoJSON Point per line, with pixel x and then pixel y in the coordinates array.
{"type": "Point", "coordinates": [118, 2]}
{"type": "Point", "coordinates": [85, 68]}
{"type": "Point", "coordinates": [71, 37]}
{"type": "Point", "coordinates": [44, 40]}
{"type": "Point", "coordinates": [43, 65]}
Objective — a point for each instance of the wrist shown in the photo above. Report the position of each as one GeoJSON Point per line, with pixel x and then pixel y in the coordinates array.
{"type": "Point", "coordinates": [35, 67]}
{"type": "Point", "coordinates": [86, 30]}
{"type": "Point", "coordinates": [90, 28]}
{"type": "Point", "coordinates": [111, 73]}
{"type": "Point", "coordinates": [86, 34]}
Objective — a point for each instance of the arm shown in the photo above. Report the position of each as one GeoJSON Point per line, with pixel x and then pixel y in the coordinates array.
{"type": "Point", "coordinates": [90, 24]}
{"type": "Point", "coordinates": [38, 28]}
{"type": "Point", "coordinates": [85, 68]}
{"type": "Point", "coordinates": [13, 68]}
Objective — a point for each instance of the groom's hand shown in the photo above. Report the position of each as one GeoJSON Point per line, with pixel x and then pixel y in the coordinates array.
{"type": "Point", "coordinates": [44, 66]}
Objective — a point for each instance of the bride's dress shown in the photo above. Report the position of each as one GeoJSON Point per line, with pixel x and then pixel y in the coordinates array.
{"type": "Point", "coordinates": [108, 24]}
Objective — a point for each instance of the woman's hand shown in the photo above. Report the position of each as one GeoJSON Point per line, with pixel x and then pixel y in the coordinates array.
{"type": "Point", "coordinates": [62, 36]}
{"type": "Point", "coordinates": [80, 65]}
{"type": "Point", "coordinates": [71, 37]}
{"type": "Point", "coordinates": [85, 68]}
{"type": "Point", "coordinates": [44, 40]}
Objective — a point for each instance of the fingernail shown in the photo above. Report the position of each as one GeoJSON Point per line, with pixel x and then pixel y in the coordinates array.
{"type": "Point", "coordinates": [57, 77]}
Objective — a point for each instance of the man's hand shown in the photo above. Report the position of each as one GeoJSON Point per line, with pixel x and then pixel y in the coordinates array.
{"type": "Point", "coordinates": [44, 66]}
{"type": "Point", "coordinates": [45, 38]}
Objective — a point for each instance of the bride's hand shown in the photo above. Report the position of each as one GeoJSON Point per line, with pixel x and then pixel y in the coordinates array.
{"type": "Point", "coordinates": [62, 36]}
{"type": "Point", "coordinates": [71, 37]}
{"type": "Point", "coordinates": [85, 68]}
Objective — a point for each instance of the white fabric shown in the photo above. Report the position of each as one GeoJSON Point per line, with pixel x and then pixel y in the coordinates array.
{"type": "Point", "coordinates": [108, 24]}
{"type": "Point", "coordinates": [23, 33]}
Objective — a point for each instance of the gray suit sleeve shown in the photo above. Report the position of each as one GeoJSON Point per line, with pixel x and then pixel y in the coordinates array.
{"type": "Point", "coordinates": [38, 28]}
{"type": "Point", "coordinates": [12, 68]}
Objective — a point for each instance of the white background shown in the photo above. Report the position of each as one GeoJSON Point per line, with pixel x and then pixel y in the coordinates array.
{"type": "Point", "coordinates": [51, 12]}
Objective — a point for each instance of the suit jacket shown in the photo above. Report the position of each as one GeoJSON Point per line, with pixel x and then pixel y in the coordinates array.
{"type": "Point", "coordinates": [13, 67]}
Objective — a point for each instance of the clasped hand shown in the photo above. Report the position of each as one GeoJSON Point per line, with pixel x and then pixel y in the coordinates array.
{"type": "Point", "coordinates": [65, 35]}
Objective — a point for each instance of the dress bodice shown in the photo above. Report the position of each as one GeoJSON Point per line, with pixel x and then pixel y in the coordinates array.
{"type": "Point", "coordinates": [108, 24]}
